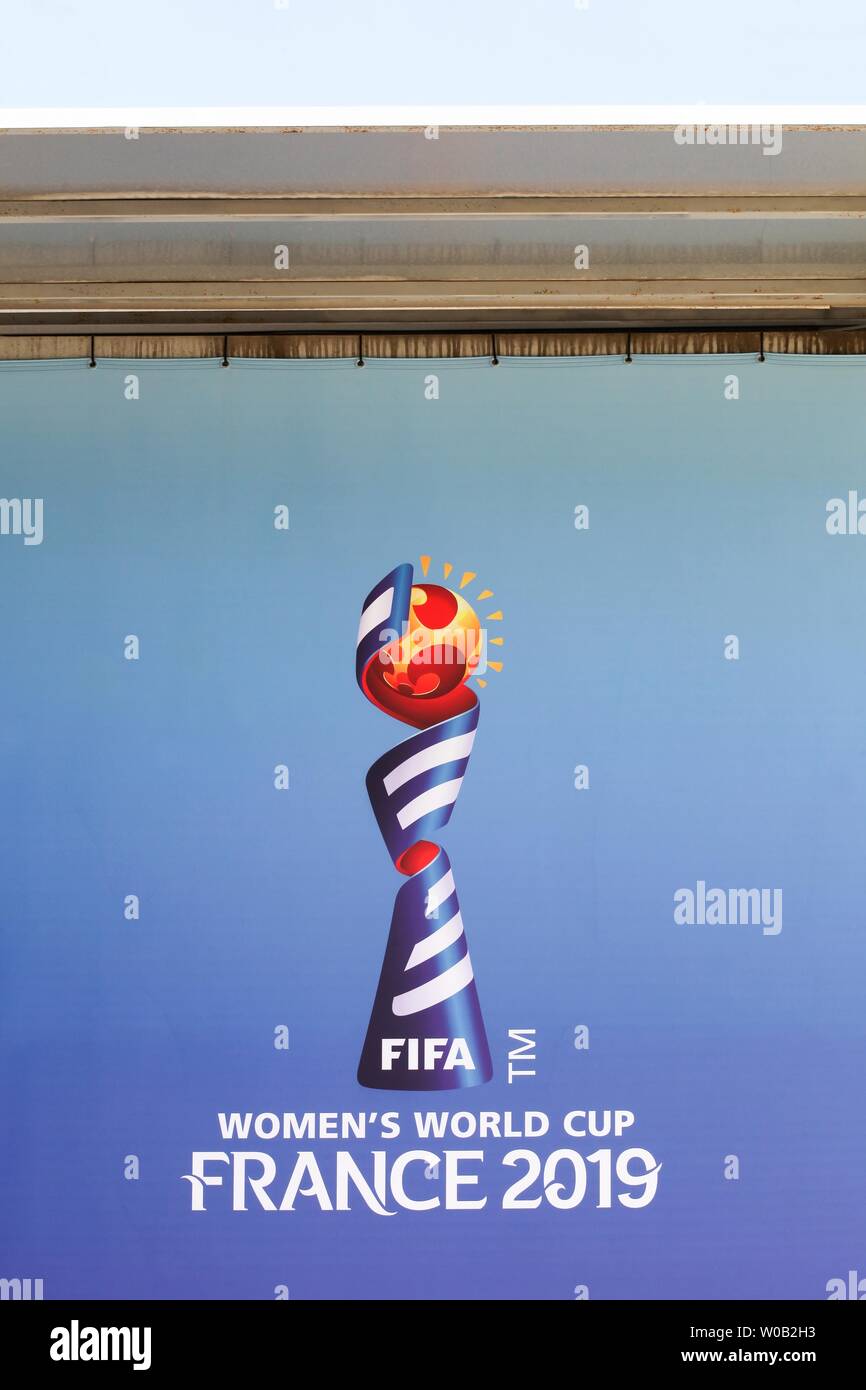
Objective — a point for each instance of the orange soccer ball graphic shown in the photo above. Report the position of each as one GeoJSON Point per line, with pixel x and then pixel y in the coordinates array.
{"type": "Point", "coordinates": [420, 677]}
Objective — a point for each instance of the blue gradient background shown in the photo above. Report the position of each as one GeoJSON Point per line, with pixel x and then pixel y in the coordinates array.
{"type": "Point", "coordinates": [262, 908]}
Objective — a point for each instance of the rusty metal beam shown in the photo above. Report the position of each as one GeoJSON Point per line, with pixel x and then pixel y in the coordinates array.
{"type": "Point", "coordinates": [476, 229]}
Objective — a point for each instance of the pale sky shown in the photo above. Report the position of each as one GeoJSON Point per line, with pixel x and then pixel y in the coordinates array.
{"type": "Point", "coordinates": [65, 53]}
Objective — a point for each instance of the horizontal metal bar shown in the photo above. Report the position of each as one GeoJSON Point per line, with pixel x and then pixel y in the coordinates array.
{"type": "Point", "coordinates": [421, 294]}
{"type": "Point", "coordinates": [196, 207]}
{"type": "Point", "coordinates": [462, 250]}
{"type": "Point", "coordinates": [406, 163]}
{"type": "Point", "coordinates": [708, 317]}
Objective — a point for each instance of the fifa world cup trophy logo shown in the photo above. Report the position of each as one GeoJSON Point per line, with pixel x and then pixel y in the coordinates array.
{"type": "Point", "coordinates": [418, 645]}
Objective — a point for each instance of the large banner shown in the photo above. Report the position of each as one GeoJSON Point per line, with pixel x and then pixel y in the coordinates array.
{"type": "Point", "coordinates": [433, 801]}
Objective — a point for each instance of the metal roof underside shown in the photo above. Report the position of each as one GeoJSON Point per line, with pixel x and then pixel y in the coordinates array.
{"type": "Point", "coordinates": [391, 229]}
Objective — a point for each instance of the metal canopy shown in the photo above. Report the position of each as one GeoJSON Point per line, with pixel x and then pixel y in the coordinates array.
{"type": "Point", "coordinates": [426, 228]}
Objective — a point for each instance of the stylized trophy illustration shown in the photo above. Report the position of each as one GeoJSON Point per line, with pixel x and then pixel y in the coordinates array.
{"type": "Point", "coordinates": [418, 644]}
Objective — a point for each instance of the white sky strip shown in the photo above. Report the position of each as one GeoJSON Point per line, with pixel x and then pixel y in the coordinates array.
{"type": "Point", "coordinates": [431, 800]}
{"type": "Point", "coordinates": [415, 117]}
{"type": "Point", "coordinates": [437, 942]}
{"type": "Point", "coordinates": [375, 614]}
{"type": "Point", "coordinates": [448, 751]}
{"type": "Point", "coordinates": [436, 991]}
